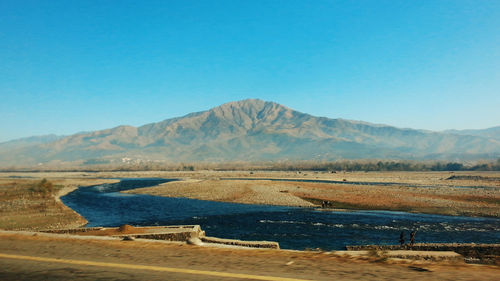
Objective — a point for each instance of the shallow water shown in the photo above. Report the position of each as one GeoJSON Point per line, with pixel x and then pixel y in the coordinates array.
{"type": "Point", "coordinates": [293, 228]}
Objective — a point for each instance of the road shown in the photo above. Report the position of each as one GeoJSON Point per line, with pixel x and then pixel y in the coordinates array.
{"type": "Point", "coordinates": [141, 269]}
{"type": "Point", "coordinates": [40, 257]}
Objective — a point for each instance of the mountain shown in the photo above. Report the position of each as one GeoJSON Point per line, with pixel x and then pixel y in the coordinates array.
{"type": "Point", "coordinates": [29, 141]}
{"type": "Point", "coordinates": [252, 130]}
{"type": "Point", "coordinates": [493, 132]}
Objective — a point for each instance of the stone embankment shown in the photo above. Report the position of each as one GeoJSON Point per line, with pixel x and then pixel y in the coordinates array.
{"type": "Point", "coordinates": [180, 233]}
{"type": "Point", "coordinates": [240, 243]}
{"type": "Point", "coordinates": [482, 253]}
{"type": "Point", "coordinates": [168, 233]}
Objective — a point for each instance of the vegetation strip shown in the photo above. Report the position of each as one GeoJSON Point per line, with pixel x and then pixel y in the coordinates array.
{"type": "Point", "coordinates": [149, 267]}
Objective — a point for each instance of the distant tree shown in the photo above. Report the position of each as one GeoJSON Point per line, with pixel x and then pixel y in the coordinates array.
{"type": "Point", "coordinates": [44, 187]}
{"type": "Point", "coordinates": [454, 167]}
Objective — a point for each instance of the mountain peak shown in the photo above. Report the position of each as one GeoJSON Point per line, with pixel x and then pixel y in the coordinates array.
{"type": "Point", "coordinates": [248, 105]}
{"type": "Point", "coordinates": [254, 130]}
{"type": "Point", "coordinates": [248, 112]}
{"type": "Point", "coordinates": [245, 102]}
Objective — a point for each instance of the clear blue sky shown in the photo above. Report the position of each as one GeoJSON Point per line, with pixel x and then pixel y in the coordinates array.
{"type": "Point", "coordinates": [70, 66]}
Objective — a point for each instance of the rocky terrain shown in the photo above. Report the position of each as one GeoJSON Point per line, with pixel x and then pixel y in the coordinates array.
{"type": "Point", "coordinates": [470, 195]}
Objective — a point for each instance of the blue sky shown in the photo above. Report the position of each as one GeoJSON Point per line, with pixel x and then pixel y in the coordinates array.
{"type": "Point", "coordinates": [70, 66]}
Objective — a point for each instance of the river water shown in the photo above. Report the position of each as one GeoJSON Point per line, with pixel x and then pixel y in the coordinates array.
{"type": "Point", "coordinates": [293, 228]}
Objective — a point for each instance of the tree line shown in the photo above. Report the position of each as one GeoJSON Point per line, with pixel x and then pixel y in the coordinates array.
{"type": "Point", "coordinates": [381, 166]}
{"type": "Point", "coordinates": [306, 165]}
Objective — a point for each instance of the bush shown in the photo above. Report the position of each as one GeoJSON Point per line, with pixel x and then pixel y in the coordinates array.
{"type": "Point", "coordinates": [44, 186]}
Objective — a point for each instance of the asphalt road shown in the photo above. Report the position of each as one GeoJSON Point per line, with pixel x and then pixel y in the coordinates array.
{"type": "Point", "coordinates": [92, 269]}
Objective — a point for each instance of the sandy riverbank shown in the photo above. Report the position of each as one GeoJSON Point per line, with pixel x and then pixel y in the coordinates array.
{"type": "Point", "coordinates": [432, 193]}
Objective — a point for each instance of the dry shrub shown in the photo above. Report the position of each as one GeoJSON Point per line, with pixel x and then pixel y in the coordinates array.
{"type": "Point", "coordinates": [43, 187]}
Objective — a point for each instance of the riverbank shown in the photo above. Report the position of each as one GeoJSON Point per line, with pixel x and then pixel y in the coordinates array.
{"type": "Point", "coordinates": [25, 207]}
{"type": "Point", "coordinates": [448, 193]}
{"type": "Point", "coordinates": [470, 194]}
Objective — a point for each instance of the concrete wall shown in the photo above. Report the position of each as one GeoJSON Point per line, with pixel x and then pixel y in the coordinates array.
{"type": "Point", "coordinates": [234, 242]}
{"type": "Point", "coordinates": [471, 251]}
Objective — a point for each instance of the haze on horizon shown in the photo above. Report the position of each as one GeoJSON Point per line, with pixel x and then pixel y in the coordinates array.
{"type": "Point", "coordinates": [71, 66]}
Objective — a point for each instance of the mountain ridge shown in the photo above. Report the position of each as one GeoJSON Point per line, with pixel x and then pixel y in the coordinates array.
{"type": "Point", "coordinates": [254, 130]}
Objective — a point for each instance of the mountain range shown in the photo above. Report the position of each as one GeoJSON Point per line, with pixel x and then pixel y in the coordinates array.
{"type": "Point", "coordinates": [251, 130]}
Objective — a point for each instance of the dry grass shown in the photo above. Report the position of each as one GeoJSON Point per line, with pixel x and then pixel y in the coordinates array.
{"type": "Point", "coordinates": [440, 200]}
{"type": "Point", "coordinates": [25, 205]}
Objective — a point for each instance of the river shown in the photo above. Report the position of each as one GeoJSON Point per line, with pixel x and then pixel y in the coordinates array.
{"type": "Point", "coordinates": [294, 228]}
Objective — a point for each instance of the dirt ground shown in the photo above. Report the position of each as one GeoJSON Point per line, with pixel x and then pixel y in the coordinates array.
{"type": "Point", "coordinates": [291, 264]}
{"type": "Point", "coordinates": [23, 208]}
{"type": "Point", "coordinates": [431, 192]}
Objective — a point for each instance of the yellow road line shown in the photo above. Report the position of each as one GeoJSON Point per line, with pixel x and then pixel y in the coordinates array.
{"type": "Point", "coordinates": [149, 267]}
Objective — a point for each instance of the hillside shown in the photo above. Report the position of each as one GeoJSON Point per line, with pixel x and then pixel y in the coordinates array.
{"type": "Point", "coordinates": [493, 132]}
{"type": "Point", "coordinates": [251, 130]}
